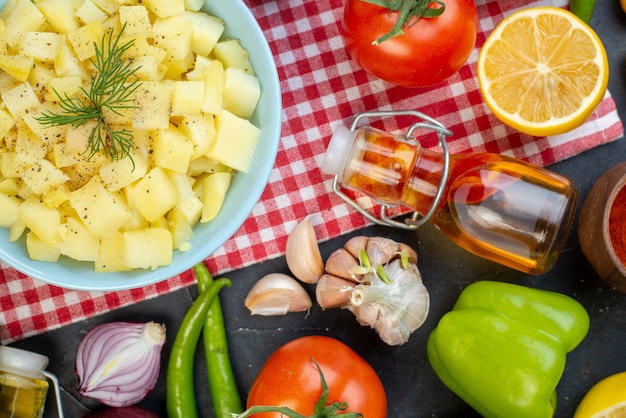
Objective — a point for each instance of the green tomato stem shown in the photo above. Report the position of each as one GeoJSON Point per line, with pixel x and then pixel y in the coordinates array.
{"type": "Point", "coordinates": [409, 12]}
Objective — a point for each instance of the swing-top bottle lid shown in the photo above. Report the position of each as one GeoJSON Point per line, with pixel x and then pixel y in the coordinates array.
{"type": "Point", "coordinates": [22, 362]}
{"type": "Point", "coordinates": [338, 150]}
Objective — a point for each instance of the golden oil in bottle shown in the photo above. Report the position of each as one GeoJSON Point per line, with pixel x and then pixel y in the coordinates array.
{"type": "Point", "coordinates": [23, 388]}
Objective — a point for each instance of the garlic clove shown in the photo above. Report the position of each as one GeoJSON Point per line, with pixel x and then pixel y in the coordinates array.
{"type": "Point", "coordinates": [342, 264]}
{"type": "Point", "coordinates": [277, 294]}
{"type": "Point", "coordinates": [333, 292]}
{"type": "Point", "coordinates": [303, 254]}
{"type": "Point", "coordinates": [410, 253]}
{"type": "Point", "coordinates": [381, 250]}
{"type": "Point", "coordinates": [355, 245]}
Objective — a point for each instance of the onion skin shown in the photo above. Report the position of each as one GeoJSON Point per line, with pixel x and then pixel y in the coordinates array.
{"type": "Point", "coordinates": [118, 363]}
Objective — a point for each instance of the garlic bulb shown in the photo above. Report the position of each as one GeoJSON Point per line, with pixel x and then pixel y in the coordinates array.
{"type": "Point", "coordinates": [277, 294]}
{"type": "Point", "coordinates": [118, 363]}
{"type": "Point", "coordinates": [396, 309]}
{"type": "Point", "coordinates": [377, 279]}
{"type": "Point", "coordinates": [303, 253]}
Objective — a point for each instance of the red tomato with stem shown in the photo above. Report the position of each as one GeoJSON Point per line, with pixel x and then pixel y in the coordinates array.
{"type": "Point", "coordinates": [289, 378]}
{"type": "Point", "coordinates": [429, 51]}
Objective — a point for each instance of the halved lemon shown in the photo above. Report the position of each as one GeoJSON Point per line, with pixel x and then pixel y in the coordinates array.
{"type": "Point", "coordinates": [606, 399]}
{"type": "Point", "coordinates": [543, 71]}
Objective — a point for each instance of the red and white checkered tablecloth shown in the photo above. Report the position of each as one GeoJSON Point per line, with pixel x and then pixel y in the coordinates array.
{"type": "Point", "coordinates": [321, 88]}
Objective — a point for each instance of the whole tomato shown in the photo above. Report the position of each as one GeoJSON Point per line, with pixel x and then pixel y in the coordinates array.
{"type": "Point", "coordinates": [428, 50]}
{"type": "Point", "coordinates": [290, 378]}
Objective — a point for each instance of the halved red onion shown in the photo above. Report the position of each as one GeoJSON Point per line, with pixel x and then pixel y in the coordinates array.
{"type": "Point", "coordinates": [118, 363]}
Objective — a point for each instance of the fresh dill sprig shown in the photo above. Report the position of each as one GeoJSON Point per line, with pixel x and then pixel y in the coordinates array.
{"type": "Point", "coordinates": [110, 88]}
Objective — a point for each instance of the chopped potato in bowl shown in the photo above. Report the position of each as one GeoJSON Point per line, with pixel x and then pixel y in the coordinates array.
{"type": "Point", "coordinates": [204, 121]}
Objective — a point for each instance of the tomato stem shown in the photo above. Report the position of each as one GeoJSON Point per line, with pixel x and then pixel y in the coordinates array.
{"type": "Point", "coordinates": [409, 12]}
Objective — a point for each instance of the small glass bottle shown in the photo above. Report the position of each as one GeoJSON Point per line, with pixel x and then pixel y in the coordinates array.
{"type": "Point", "coordinates": [494, 206]}
{"type": "Point", "coordinates": [24, 384]}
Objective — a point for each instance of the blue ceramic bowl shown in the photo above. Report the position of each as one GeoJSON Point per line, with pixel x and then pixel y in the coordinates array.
{"type": "Point", "coordinates": [244, 193]}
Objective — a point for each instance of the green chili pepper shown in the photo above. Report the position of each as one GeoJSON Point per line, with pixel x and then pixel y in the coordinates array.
{"type": "Point", "coordinates": [180, 395]}
{"type": "Point", "coordinates": [583, 9]}
{"type": "Point", "coordinates": [224, 392]}
{"type": "Point", "coordinates": [502, 348]}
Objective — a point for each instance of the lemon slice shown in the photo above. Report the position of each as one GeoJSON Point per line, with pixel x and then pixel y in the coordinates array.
{"type": "Point", "coordinates": [606, 399]}
{"type": "Point", "coordinates": [543, 71]}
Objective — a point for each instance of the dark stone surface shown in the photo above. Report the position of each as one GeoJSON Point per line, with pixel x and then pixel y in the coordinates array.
{"type": "Point", "coordinates": [412, 388]}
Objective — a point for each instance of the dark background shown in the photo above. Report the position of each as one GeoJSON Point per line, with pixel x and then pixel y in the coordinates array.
{"type": "Point", "coordinates": [413, 390]}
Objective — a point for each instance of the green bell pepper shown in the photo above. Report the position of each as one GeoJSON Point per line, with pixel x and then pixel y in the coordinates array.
{"type": "Point", "coordinates": [502, 347]}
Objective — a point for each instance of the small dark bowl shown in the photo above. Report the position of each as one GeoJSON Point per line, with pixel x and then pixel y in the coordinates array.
{"type": "Point", "coordinates": [594, 227]}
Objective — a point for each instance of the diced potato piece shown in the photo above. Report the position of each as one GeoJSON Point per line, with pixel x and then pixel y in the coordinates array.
{"type": "Point", "coordinates": [194, 5]}
{"type": "Point", "coordinates": [60, 14]}
{"type": "Point", "coordinates": [206, 31]}
{"type": "Point", "coordinates": [173, 68]}
{"type": "Point", "coordinates": [233, 54]}
{"type": "Point", "coordinates": [160, 246]}
{"type": "Point", "coordinates": [6, 122]}
{"type": "Point", "coordinates": [42, 220]}
{"type": "Point", "coordinates": [24, 17]}
{"type": "Point", "coordinates": [172, 149]}
{"type": "Point", "coordinates": [179, 227]}
{"type": "Point", "coordinates": [110, 254]}
{"type": "Point", "coordinates": [63, 86]}
{"type": "Point", "coordinates": [214, 191]}
{"type": "Point", "coordinates": [141, 47]}
{"type": "Point", "coordinates": [103, 212]}
{"type": "Point", "coordinates": [205, 165]}
{"type": "Point", "coordinates": [39, 76]}
{"type": "Point", "coordinates": [41, 46]}
{"type": "Point", "coordinates": [241, 92]}
{"type": "Point", "coordinates": [165, 8]}
{"type": "Point", "coordinates": [187, 97]}
{"type": "Point", "coordinates": [9, 186]}
{"type": "Point", "coordinates": [17, 230]}
{"type": "Point", "coordinates": [50, 135]}
{"type": "Point", "coordinates": [84, 39]}
{"type": "Point", "coordinates": [67, 64]}
{"type": "Point", "coordinates": [134, 248]}
{"type": "Point", "coordinates": [7, 82]}
{"type": "Point", "coordinates": [147, 248]}
{"type": "Point", "coordinates": [136, 20]}
{"type": "Point", "coordinates": [56, 196]}
{"type": "Point", "coordinates": [154, 195]}
{"type": "Point", "coordinates": [147, 68]}
{"type": "Point", "coordinates": [200, 64]}
{"type": "Point", "coordinates": [89, 13]}
{"type": "Point", "coordinates": [213, 88]}
{"type": "Point", "coordinates": [235, 141]}
{"type": "Point", "coordinates": [20, 99]}
{"type": "Point", "coordinates": [200, 129]}
{"type": "Point", "coordinates": [120, 173]}
{"type": "Point", "coordinates": [153, 101]}
{"type": "Point", "coordinates": [9, 206]}
{"type": "Point", "coordinates": [17, 66]}
{"type": "Point", "coordinates": [29, 149]}
{"type": "Point", "coordinates": [40, 250]}
{"type": "Point", "coordinates": [43, 175]}
{"type": "Point", "coordinates": [3, 38]}
{"type": "Point", "coordinates": [77, 138]}
{"type": "Point", "coordinates": [109, 7]}
{"type": "Point", "coordinates": [173, 34]}
{"type": "Point", "coordinates": [79, 243]}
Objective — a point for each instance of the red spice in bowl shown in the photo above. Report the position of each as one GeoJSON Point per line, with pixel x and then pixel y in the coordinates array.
{"type": "Point", "coordinates": [617, 225]}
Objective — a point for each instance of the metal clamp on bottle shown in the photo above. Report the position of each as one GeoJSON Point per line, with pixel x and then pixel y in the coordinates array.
{"type": "Point", "coordinates": [339, 151]}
